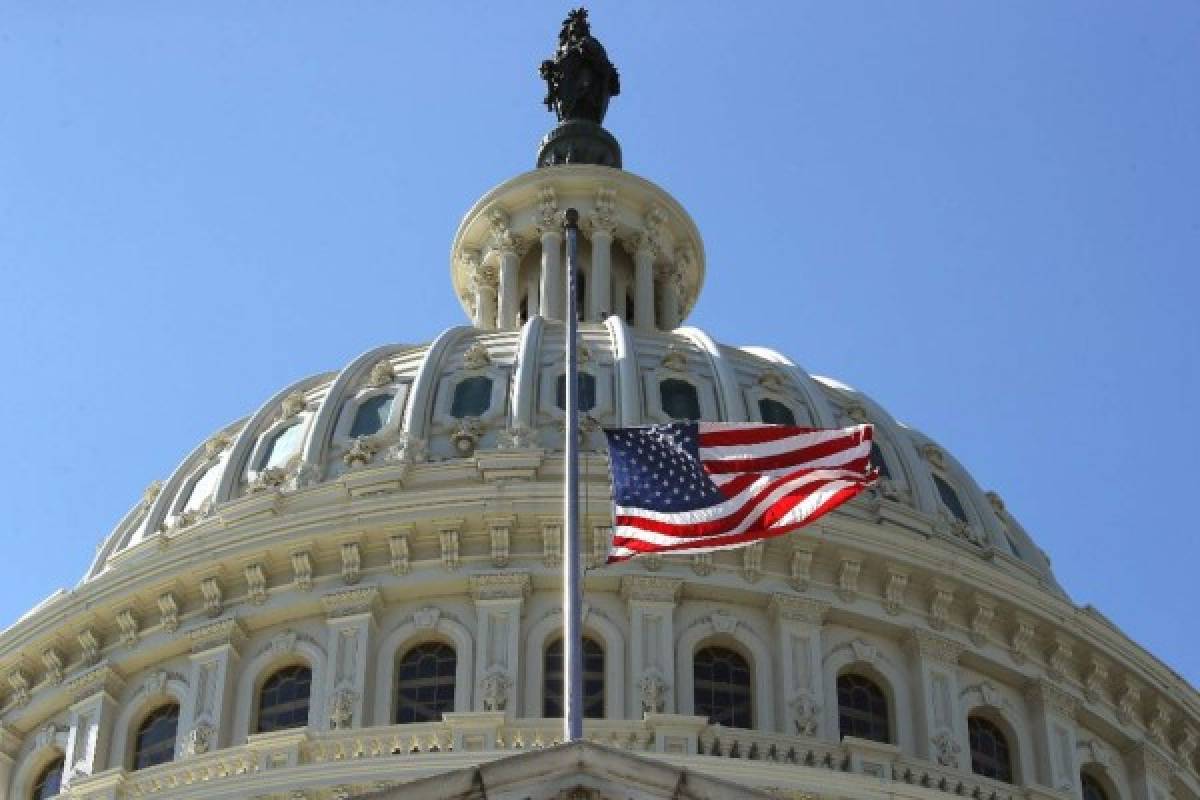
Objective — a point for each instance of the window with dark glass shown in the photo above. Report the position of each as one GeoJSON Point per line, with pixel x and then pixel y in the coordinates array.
{"type": "Point", "coordinates": [472, 396]}
{"type": "Point", "coordinates": [1092, 788]}
{"type": "Point", "coordinates": [283, 445]}
{"type": "Point", "coordinates": [721, 687]}
{"type": "Point", "coordinates": [283, 701]}
{"type": "Point", "coordinates": [774, 412]}
{"type": "Point", "coordinates": [593, 680]}
{"type": "Point", "coordinates": [679, 399]}
{"type": "Point", "coordinates": [950, 498]}
{"type": "Point", "coordinates": [155, 740]}
{"type": "Point", "coordinates": [425, 683]}
{"type": "Point", "coordinates": [587, 392]}
{"type": "Point", "coordinates": [989, 750]}
{"type": "Point", "coordinates": [49, 781]}
{"type": "Point", "coordinates": [862, 709]}
{"type": "Point", "coordinates": [879, 462]}
{"type": "Point", "coordinates": [372, 414]}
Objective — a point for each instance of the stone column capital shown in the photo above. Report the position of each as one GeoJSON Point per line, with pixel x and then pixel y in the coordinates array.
{"type": "Point", "coordinates": [221, 633]}
{"type": "Point", "coordinates": [800, 609]}
{"type": "Point", "coordinates": [932, 646]}
{"type": "Point", "coordinates": [501, 586]}
{"type": "Point", "coordinates": [352, 602]}
{"type": "Point", "coordinates": [1051, 699]}
{"type": "Point", "coordinates": [650, 589]}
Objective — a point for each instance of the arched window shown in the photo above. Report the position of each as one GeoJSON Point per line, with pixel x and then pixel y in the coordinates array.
{"type": "Point", "coordinates": [587, 392]}
{"type": "Point", "coordinates": [1092, 788]}
{"type": "Point", "coordinates": [283, 701]}
{"type": "Point", "coordinates": [879, 462]}
{"type": "Point", "coordinates": [425, 683]}
{"type": "Point", "coordinates": [283, 445]}
{"type": "Point", "coordinates": [155, 740]}
{"type": "Point", "coordinates": [862, 709]}
{"type": "Point", "coordinates": [49, 781]}
{"type": "Point", "coordinates": [472, 396]}
{"type": "Point", "coordinates": [989, 750]}
{"type": "Point", "coordinates": [774, 412]}
{"type": "Point", "coordinates": [593, 680]}
{"type": "Point", "coordinates": [950, 498]}
{"type": "Point", "coordinates": [372, 414]}
{"type": "Point", "coordinates": [722, 687]}
{"type": "Point", "coordinates": [679, 399]}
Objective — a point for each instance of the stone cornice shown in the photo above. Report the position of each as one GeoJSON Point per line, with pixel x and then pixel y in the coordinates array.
{"type": "Point", "coordinates": [650, 589]}
{"type": "Point", "coordinates": [351, 602]}
{"type": "Point", "coordinates": [501, 586]}
{"type": "Point", "coordinates": [932, 646]}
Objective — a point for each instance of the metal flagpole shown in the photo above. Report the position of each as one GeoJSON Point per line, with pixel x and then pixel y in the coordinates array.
{"type": "Point", "coordinates": [572, 583]}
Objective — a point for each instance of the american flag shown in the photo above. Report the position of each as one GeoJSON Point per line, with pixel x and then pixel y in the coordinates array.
{"type": "Point", "coordinates": [695, 487]}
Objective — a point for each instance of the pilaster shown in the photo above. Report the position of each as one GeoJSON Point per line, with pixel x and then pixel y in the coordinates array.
{"type": "Point", "coordinates": [499, 598]}
{"type": "Point", "coordinates": [1149, 772]}
{"type": "Point", "coordinates": [651, 602]}
{"type": "Point", "coordinates": [205, 717]}
{"type": "Point", "coordinates": [801, 686]}
{"type": "Point", "coordinates": [92, 714]}
{"type": "Point", "coordinates": [351, 628]}
{"type": "Point", "coordinates": [1052, 714]}
{"type": "Point", "coordinates": [941, 731]}
{"type": "Point", "coordinates": [643, 283]}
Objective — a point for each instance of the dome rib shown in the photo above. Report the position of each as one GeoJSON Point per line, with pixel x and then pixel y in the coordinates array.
{"type": "Point", "coordinates": [525, 377]}
{"type": "Point", "coordinates": [733, 408]}
{"type": "Point", "coordinates": [420, 404]}
{"type": "Point", "coordinates": [802, 381]}
{"type": "Point", "coordinates": [625, 356]}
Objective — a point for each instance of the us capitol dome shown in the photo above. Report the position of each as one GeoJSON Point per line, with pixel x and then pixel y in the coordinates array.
{"type": "Point", "coordinates": [356, 587]}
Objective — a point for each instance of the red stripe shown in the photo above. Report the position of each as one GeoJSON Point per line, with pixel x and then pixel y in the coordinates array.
{"type": "Point", "coordinates": [758, 434]}
{"type": "Point", "coordinates": [791, 458]}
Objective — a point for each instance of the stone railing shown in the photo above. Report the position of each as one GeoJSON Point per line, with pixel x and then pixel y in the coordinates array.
{"type": "Point", "coordinates": [492, 733]}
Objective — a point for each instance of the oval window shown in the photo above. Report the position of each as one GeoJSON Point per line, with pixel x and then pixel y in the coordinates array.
{"type": "Point", "coordinates": [371, 416]}
{"type": "Point", "coordinates": [774, 412]}
{"type": "Point", "coordinates": [472, 397]}
{"type": "Point", "coordinates": [587, 392]}
{"type": "Point", "coordinates": [679, 399]}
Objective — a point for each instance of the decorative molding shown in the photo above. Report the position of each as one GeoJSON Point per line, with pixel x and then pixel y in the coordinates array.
{"type": "Point", "coordinates": [702, 564]}
{"type": "Point", "coordinates": [293, 404]}
{"type": "Point", "coordinates": [223, 632]}
{"type": "Point", "coordinates": [981, 618]}
{"type": "Point", "coordinates": [723, 622]}
{"type": "Point", "coordinates": [499, 533]}
{"type": "Point", "coordinates": [1129, 701]}
{"type": "Point", "coordinates": [350, 602]}
{"type": "Point", "coordinates": [1094, 751]}
{"type": "Point", "coordinates": [940, 601]}
{"type": "Point", "coordinates": [551, 543]}
{"type": "Point", "coordinates": [427, 618]}
{"type": "Point", "coordinates": [128, 624]}
{"type": "Point", "coordinates": [168, 610]}
{"type": "Point", "coordinates": [476, 356]}
{"type": "Point", "coordinates": [1095, 680]}
{"type": "Point", "coordinates": [53, 662]}
{"type": "Point", "coordinates": [341, 709]}
{"type": "Point", "coordinates": [18, 679]}
{"type": "Point", "coordinates": [302, 570]}
{"type": "Point", "coordinates": [1160, 724]}
{"type": "Point", "coordinates": [1052, 698]}
{"type": "Point", "coordinates": [381, 374]}
{"type": "Point", "coordinates": [893, 590]}
{"type": "Point", "coordinates": [501, 586]}
{"type": "Point", "coordinates": [801, 567]}
{"type": "Point", "coordinates": [933, 647]}
{"type": "Point", "coordinates": [946, 748]}
{"type": "Point", "coordinates": [398, 550]}
{"type": "Point", "coordinates": [652, 691]}
{"type": "Point", "coordinates": [752, 556]}
{"type": "Point", "coordinates": [256, 583]}
{"type": "Point", "coordinates": [987, 695]}
{"type": "Point", "coordinates": [100, 678]}
{"type": "Point", "coordinates": [650, 589]}
{"type": "Point", "coordinates": [1022, 638]}
{"type": "Point", "coordinates": [847, 577]}
{"type": "Point", "coordinates": [1058, 663]}
{"type": "Point", "coordinates": [89, 647]}
{"type": "Point", "coordinates": [798, 609]}
{"type": "Point", "coordinates": [210, 589]}
{"type": "Point", "coordinates": [494, 689]}
{"type": "Point", "coordinates": [448, 536]}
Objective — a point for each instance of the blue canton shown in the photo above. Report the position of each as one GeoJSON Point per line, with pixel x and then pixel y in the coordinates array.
{"type": "Point", "coordinates": [658, 468]}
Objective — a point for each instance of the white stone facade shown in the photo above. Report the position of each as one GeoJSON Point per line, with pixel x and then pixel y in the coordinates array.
{"type": "Point", "coordinates": [358, 514]}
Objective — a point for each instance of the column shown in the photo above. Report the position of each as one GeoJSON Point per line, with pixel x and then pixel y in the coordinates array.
{"type": "Point", "coordinates": [510, 299]}
{"type": "Point", "coordinates": [92, 716]}
{"type": "Point", "coordinates": [651, 602]}
{"type": "Point", "coordinates": [669, 283]}
{"type": "Point", "coordinates": [10, 746]}
{"type": "Point", "coordinates": [205, 717]}
{"type": "Point", "coordinates": [600, 283]}
{"type": "Point", "coordinates": [552, 297]}
{"type": "Point", "coordinates": [498, 601]}
{"type": "Point", "coordinates": [1052, 713]}
{"type": "Point", "coordinates": [351, 626]}
{"type": "Point", "coordinates": [800, 679]}
{"type": "Point", "coordinates": [485, 297]}
{"type": "Point", "coordinates": [940, 729]}
{"type": "Point", "coordinates": [643, 284]}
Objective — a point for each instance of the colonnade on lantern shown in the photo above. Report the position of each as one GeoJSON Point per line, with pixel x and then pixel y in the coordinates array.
{"type": "Point", "coordinates": [643, 259]}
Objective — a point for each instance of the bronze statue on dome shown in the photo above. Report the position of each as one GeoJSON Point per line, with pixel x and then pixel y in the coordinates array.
{"type": "Point", "coordinates": [579, 79]}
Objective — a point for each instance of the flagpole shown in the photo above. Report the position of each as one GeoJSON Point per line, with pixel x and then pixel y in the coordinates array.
{"type": "Point", "coordinates": [572, 583]}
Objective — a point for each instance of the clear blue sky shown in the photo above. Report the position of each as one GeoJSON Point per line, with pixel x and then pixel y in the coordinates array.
{"type": "Point", "coordinates": [984, 214]}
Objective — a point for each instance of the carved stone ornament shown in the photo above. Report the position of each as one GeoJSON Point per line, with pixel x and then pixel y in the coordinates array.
{"type": "Point", "coordinates": [864, 651]}
{"type": "Point", "coordinates": [652, 689]}
{"type": "Point", "coordinates": [168, 610]}
{"type": "Point", "coordinates": [19, 681]}
{"type": "Point", "coordinates": [466, 436]}
{"type": "Point", "coordinates": [199, 740]}
{"type": "Point", "coordinates": [1160, 724]}
{"type": "Point", "coordinates": [501, 586]}
{"type": "Point", "coordinates": [806, 713]}
{"type": "Point", "coordinates": [702, 564]}
{"type": "Point", "coordinates": [997, 504]}
{"type": "Point", "coordinates": [933, 454]}
{"type": "Point", "coordinates": [151, 493]}
{"type": "Point", "coordinates": [381, 374]}
{"type": "Point", "coordinates": [341, 709]}
{"type": "Point", "coordinates": [847, 578]}
{"type": "Point", "coordinates": [981, 619]}
{"type": "Point", "coordinates": [723, 621]}
{"type": "Point", "coordinates": [350, 602]}
{"type": "Point", "coordinates": [494, 689]}
{"type": "Point", "coordinates": [53, 662]}
{"type": "Point", "coordinates": [1095, 752]}
{"type": "Point", "coordinates": [408, 449]}
{"type": "Point", "coordinates": [801, 568]}
{"type": "Point", "coordinates": [398, 550]}
{"type": "Point", "coordinates": [988, 696]}
{"type": "Point", "coordinates": [427, 617]}
{"type": "Point", "coordinates": [1187, 744]}
{"type": "Point", "coordinates": [476, 356]}
{"type": "Point", "coordinates": [650, 589]}
{"type": "Point", "coordinates": [1095, 680]}
{"type": "Point", "coordinates": [360, 452]}
{"type": "Point", "coordinates": [1128, 702]}
{"type": "Point", "coordinates": [675, 359]}
{"type": "Point", "coordinates": [946, 749]}
{"type": "Point", "coordinates": [155, 684]}
{"type": "Point", "coordinates": [293, 404]}
{"type": "Point", "coordinates": [893, 591]}
{"type": "Point", "coordinates": [1022, 639]}
{"type": "Point", "coordinates": [283, 643]}
{"type": "Point", "coordinates": [216, 445]}
{"type": "Point", "coordinates": [940, 602]}
{"type": "Point", "coordinates": [799, 609]}
{"type": "Point", "coordinates": [752, 556]}
{"type": "Point", "coordinates": [934, 647]}
{"type": "Point", "coordinates": [302, 570]}
{"type": "Point", "coordinates": [516, 437]}
{"type": "Point", "coordinates": [268, 479]}
{"type": "Point", "coordinates": [89, 646]}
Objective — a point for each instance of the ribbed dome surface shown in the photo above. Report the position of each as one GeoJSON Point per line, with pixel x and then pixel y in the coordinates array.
{"type": "Point", "coordinates": [472, 392]}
